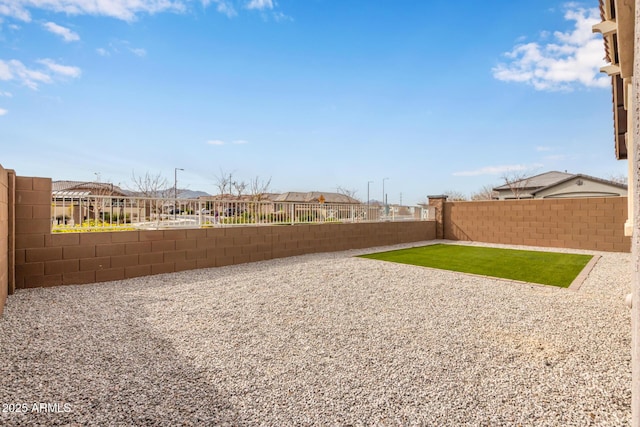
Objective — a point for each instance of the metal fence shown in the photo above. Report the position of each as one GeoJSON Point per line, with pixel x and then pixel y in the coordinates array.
{"type": "Point", "coordinates": [111, 213]}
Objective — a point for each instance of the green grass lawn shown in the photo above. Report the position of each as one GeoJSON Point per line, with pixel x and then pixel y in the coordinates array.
{"type": "Point", "coordinates": [547, 268]}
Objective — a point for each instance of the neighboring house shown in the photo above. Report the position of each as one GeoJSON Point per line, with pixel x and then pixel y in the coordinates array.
{"type": "Point", "coordinates": [70, 204]}
{"type": "Point", "coordinates": [242, 198]}
{"type": "Point", "coordinates": [560, 184]}
{"type": "Point", "coordinates": [81, 188]}
{"type": "Point", "coordinates": [281, 205]}
{"type": "Point", "coordinates": [314, 197]}
{"type": "Point", "coordinates": [299, 204]}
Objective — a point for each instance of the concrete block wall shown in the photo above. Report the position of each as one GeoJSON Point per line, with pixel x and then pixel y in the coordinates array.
{"type": "Point", "coordinates": [46, 259]}
{"type": "Point", "coordinates": [584, 223]}
{"type": "Point", "coordinates": [75, 258]}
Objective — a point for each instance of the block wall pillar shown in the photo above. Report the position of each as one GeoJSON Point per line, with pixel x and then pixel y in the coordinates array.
{"type": "Point", "coordinates": [437, 202]}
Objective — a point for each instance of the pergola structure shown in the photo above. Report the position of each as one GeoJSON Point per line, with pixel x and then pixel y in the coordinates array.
{"type": "Point", "coordinates": [620, 28]}
{"type": "Point", "coordinates": [617, 29]}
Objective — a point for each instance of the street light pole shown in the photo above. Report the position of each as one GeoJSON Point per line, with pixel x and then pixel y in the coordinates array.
{"type": "Point", "coordinates": [175, 191]}
{"type": "Point", "coordinates": [368, 202]}
{"type": "Point", "coordinates": [383, 201]}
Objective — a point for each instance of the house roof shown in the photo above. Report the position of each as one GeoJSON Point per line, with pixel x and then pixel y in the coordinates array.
{"type": "Point", "coordinates": [290, 196]}
{"type": "Point", "coordinates": [547, 180]}
{"type": "Point", "coordinates": [537, 181]}
{"type": "Point", "coordinates": [242, 198]}
{"type": "Point", "coordinates": [85, 188]}
{"type": "Point", "coordinates": [314, 197]}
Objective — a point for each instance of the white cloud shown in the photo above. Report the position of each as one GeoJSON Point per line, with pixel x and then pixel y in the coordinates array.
{"type": "Point", "coordinates": [494, 170]}
{"type": "Point", "coordinates": [66, 34]}
{"type": "Point", "coordinates": [543, 148]}
{"type": "Point", "coordinates": [6, 94]}
{"type": "Point", "coordinates": [268, 5]}
{"type": "Point", "coordinates": [119, 46]}
{"type": "Point", "coordinates": [14, 70]}
{"type": "Point", "coordinates": [5, 71]}
{"type": "Point", "coordinates": [15, 10]}
{"type": "Point", "coordinates": [138, 51]}
{"type": "Point", "coordinates": [281, 17]}
{"type": "Point", "coordinates": [220, 142]}
{"type": "Point", "coordinates": [573, 58]}
{"type": "Point", "coordinates": [223, 7]}
{"type": "Point", "coordinates": [63, 70]}
{"type": "Point", "coordinates": [3, 111]}
{"type": "Point", "coordinates": [125, 10]}
{"type": "Point", "coordinates": [260, 4]}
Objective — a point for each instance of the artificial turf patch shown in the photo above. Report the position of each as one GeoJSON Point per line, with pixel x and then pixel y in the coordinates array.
{"type": "Point", "coordinates": [547, 268]}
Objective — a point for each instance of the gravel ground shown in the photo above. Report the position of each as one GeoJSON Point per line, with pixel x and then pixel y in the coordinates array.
{"type": "Point", "coordinates": [324, 339]}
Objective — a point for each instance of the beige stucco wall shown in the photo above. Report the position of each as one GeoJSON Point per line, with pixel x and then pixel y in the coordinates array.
{"type": "Point", "coordinates": [569, 189]}
{"type": "Point", "coordinates": [587, 189]}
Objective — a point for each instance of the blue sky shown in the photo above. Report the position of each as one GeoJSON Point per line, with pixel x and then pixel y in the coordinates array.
{"type": "Point", "coordinates": [313, 94]}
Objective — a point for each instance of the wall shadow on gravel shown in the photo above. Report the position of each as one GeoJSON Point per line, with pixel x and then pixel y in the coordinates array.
{"type": "Point", "coordinates": [107, 364]}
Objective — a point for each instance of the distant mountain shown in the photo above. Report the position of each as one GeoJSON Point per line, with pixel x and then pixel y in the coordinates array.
{"type": "Point", "coordinates": [191, 194]}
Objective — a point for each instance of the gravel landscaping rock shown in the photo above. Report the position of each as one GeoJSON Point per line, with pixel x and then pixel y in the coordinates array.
{"type": "Point", "coordinates": [325, 339]}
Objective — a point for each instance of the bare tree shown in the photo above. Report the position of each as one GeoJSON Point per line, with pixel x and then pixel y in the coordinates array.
{"type": "Point", "coordinates": [258, 188]}
{"type": "Point", "coordinates": [619, 179]}
{"type": "Point", "coordinates": [223, 182]}
{"type": "Point", "coordinates": [239, 188]}
{"type": "Point", "coordinates": [346, 192]}
{"type": "Point", "coordinates": [226, 183]}
{"type": "Point", "coordinates": [455, 196]}
{"type": "Point", "coordinates": [485, 193]}
{"type": "Point", "coordinates": [153, 186]}
{"type": "Point", "coordinates": [517, 182]}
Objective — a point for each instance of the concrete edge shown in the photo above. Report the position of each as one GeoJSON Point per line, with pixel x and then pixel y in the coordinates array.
{"type": "Point", "coordinates": [580, 278]}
